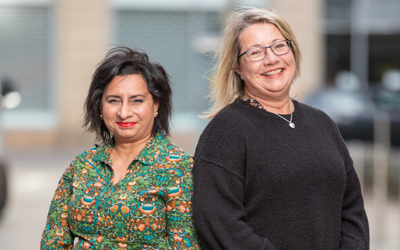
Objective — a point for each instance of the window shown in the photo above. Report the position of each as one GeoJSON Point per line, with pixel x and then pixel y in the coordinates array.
{"type": "Point", "coordinates": [25, 48]}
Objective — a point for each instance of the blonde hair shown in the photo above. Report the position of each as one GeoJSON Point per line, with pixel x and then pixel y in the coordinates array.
{"type": "Point", "coordinates": [227, 85]}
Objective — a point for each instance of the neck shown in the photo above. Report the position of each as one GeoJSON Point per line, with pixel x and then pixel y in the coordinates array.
{"type": "Point", "coordinates": [128, 150]}
{"type": "Point", "coordinates": [279, 106]}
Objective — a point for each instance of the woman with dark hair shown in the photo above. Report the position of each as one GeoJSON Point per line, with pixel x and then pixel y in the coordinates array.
{"type": "Point", "coordinates": [133, 191]}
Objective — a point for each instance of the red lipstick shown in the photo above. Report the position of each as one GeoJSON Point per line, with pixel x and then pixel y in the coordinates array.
{"type": "Point", "coordinates": [126, 124]}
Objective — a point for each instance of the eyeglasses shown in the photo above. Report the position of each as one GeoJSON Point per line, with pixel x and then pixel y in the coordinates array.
{"type": "Point", "coordinates": [258, 53]}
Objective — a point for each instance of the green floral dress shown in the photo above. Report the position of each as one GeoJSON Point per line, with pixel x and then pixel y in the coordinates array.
{"type": "Point", "coordinates": [150, 208]}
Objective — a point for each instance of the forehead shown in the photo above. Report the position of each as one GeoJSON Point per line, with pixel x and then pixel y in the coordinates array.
{"type": "Point", "coordinates": [128, 83]}
{"type": "Point", "coordinates": [260, 34]}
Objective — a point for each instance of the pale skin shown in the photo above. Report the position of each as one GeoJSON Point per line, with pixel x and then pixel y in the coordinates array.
{"type": "Point", "coordinates": [128, 111]}
{"type": "Point", "coordinates": [271, 91]}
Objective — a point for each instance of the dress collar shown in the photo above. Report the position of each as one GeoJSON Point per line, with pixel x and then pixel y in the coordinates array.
{"type": "Point", "coordinates": [102, 153]}
{"type": "Point", "coordinates": [148, 155]}
{"type": "Point", "coordinates": [153, 148]}
{"type": "Point", "coordinates": [253, 102]}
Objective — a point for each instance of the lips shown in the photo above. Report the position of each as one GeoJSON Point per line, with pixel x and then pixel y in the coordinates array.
{"type": "Point", "coordinates": [273, 72]}
{"type": "Point", "coordinates": [126, 124]}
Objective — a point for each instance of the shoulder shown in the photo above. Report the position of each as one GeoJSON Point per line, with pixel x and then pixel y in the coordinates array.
{"type": "Point", "coordinates": [175, 156]}
{"type": "Point", "coordinates": [223, 140]}
{"type": "Point", "coordinates": [82, 161]}
{"type": "Point", "coordinates": [326, 125]}
{"type": "Point", "coordinates": [230, 119]}
{"type": "Point", "coordinates": [236, 110]}
{"type": "Point", "coordinates": [93, 153]}
{"type": "Point", "coordinates": [90, 158]}
{"type": "Point", "coordinates": [222, 143]}
{"type": "Point", "coordinates": [307, 109]}
{"type": "Point", "coordinates": [313, 113]}
{"type": "Point", "coordinates": [174, 150]}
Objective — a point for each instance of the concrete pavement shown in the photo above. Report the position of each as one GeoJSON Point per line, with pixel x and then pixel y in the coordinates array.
{"type": "Point", "coordinates": [33, 177]}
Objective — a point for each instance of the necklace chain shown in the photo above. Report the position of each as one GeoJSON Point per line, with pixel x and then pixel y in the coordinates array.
{"type": "Point", "coordinates": [291, 124]}
{"type": "Point", "coordinates": [245, 97]}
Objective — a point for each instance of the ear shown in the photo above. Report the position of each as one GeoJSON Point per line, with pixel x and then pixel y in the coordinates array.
{"type": "Point", "coordinates": [155, 107]}
{"type": "Point", "coordinates": [101, 113]}
{"type": "Point", "coordinates": [238, 69]}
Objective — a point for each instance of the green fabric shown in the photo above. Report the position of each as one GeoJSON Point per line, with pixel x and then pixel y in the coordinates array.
{"type": "Point", "coordinates": [150, 208]}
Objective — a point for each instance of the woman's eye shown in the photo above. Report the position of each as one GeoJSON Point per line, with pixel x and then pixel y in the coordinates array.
{"type": "Point", "coordinates": [113, 101]}
{"type": "Point", "coordinates": [138, 101]}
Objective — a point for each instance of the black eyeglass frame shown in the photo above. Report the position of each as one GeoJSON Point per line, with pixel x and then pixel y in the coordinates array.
{"type": "Point", "coordinates": [265, 52]}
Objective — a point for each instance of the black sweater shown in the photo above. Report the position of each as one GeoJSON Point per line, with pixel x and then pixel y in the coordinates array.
{"type": "Point", "coordinates": [259, 184]}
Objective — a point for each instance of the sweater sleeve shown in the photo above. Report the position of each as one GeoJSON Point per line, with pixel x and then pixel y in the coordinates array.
{"type": "Point", "coordinates": [218, 211]}
{"type": "Point", "coordinates": [57, 234]}
{"type": "Point", "coordinates": [355, 229]}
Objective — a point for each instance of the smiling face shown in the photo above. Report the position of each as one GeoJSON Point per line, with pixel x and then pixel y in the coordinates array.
{"type": "Point", "coordinates": [272, 76]}
{"type": "Point", "coordinates": [128, 109]}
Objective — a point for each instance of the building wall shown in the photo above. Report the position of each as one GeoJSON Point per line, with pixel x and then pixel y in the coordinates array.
{"type": "Point", "coordinates": [306, 20]}
{"type": "Point", "coordinates": [81, 38]}
{"type": "Point", "coordinates": [83, 35]}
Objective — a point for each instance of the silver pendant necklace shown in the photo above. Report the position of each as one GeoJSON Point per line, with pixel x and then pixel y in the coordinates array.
{"type": "Point", "coordinates": [259, 105]}
{"type": "Point", "coordinates": [291, 124]}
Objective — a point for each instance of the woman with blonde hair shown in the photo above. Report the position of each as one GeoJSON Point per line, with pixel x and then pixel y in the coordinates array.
{"type": "Point", "coordinates": [271, 172]}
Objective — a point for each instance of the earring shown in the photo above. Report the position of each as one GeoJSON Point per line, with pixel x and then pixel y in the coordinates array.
{"type": "Point", "coordinates": [101, 116]}
{"type": "Point", "coordinates": [241, 77]}
{"type": "Point", "coordinates": [157, 113]}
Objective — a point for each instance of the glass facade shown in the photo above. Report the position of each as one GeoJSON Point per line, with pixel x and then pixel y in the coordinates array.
{"type": "Point", "coordinates": [175, 40]}
{"type": "Point", "coordinates": [377, 22]}
{"type": "Point", "coordinates": [25, 53]}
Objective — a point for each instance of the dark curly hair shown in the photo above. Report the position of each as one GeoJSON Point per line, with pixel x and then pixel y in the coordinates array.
{"type": "Point", "coordinates": [122, 61]}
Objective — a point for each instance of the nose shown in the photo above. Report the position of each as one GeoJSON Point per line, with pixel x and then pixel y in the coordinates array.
{"type": "Point", "coordinates": [270, 57]}
{"type": "Point", "coordinates": [125, 111]}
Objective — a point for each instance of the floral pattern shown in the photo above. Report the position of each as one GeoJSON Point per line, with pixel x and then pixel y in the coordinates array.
{"type": "Point", "coordinates": [252, 101]}
{"type": "Point", "coordinates": [150, 208]}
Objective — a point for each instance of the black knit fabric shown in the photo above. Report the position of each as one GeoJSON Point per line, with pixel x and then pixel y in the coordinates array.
{"type": "Point", "coordinates": [259, 184]}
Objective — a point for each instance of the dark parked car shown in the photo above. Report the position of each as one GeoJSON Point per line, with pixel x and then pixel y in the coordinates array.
{"type": "Point", "coordinates": [3, 186]}
{"type": "Point", "coordinates": [355, 111]}
{"type": "Point", "coordinates": [9, 98]}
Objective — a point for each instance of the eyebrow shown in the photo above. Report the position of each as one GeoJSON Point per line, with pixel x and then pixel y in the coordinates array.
{"type": "Point", "coordinates": [273, 41]}
{"type": "Point", "coordinates": [278, 39]}
{"type": "Point", "coordinates": [117, 96]}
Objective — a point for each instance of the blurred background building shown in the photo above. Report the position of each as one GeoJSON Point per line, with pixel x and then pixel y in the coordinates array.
{"type": "Point", "coordinates": [50, 48]}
